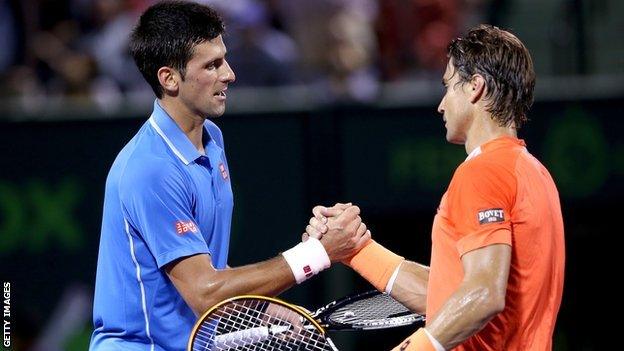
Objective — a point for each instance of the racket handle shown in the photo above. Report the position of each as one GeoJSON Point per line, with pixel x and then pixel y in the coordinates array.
{"type": "Point", "coordinates": [247, 336]}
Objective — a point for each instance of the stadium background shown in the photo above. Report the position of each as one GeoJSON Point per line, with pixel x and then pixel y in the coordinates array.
{"type": "Point", "coordinates": [335, 100]}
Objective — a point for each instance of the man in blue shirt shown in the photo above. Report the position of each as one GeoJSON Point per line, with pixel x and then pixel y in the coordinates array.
{"type": "Point", "coordinates": [168, 200]}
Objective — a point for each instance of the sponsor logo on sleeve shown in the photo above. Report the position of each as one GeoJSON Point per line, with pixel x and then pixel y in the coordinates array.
{"type": "Point", "coordinates": [491, 216]}
{"type": "Point", "coordinates": [223, 171]}
{"type": "Point", "coordinates": [183, 227]}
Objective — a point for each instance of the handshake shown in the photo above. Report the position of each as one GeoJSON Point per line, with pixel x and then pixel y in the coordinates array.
{"type": "Point", "coordinates": [337, 234]}
{"type": "Point", "coordinates": [339, 229]}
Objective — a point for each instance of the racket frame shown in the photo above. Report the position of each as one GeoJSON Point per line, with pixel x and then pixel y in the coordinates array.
{"type": "Point", "coordinates": [325, 311]}
{"type": "Point", "coordinates": [301, 311]}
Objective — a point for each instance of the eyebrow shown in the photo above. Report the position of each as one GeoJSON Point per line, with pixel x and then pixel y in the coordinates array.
{"type": "Point", "coordinates": [213, 58]}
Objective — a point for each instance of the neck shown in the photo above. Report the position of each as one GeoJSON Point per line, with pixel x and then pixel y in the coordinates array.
{"type": "Point", "coordinates": [484, 129]}
{"type": "Point", "coordinates": [189, 122]}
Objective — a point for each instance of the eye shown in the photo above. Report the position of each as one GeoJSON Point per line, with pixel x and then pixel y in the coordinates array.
{"type": "Point", "coordinates": [214, 64]}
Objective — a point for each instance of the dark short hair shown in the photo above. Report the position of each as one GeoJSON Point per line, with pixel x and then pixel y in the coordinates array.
{"type": "Point", "coordinates": [505, 64]}
{"type": "Point", "coordinates": [167, 34]}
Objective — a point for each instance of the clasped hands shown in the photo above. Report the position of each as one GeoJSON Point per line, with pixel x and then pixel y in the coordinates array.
{"type": "Point", "coordinates": [340, 229]}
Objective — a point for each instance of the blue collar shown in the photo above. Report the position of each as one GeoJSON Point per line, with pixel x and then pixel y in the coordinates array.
{"type": "Point", "coordinates": [175, 138]}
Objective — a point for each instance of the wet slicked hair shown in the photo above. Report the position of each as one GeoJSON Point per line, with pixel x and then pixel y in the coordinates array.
{"type": "Point", "coordinates": [167, 34]}
{"type": "Point", "coordinates": [505, 64]}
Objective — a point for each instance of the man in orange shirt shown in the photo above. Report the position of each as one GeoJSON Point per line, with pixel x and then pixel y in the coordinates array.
{"type": "Point", "coordinates": [496, 275]}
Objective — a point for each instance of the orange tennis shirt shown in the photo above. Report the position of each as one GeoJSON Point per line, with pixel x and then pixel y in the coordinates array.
{"type": "Point", "coordinates": [503, 195]}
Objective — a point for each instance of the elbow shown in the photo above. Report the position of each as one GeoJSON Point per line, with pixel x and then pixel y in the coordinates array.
{"type": "Point", "coordinates": [494, 302]}
{"type": "Point", "coordinates": [497, 304]}
{"type": "Point", "coordinates": [206, 296]}
{"type": "Point", "coordinates": [201, 305]}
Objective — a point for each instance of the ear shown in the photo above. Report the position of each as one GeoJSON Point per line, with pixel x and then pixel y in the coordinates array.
{"type": "Point", "coordinates": [477, 88]}
{"type": "Point", "coordinates": [168, 78]}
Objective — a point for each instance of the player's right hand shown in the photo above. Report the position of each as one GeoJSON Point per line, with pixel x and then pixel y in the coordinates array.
{"type": "Point", "coordinates": [317, 227]}
{"type": "Point", "coordinates": [346, 235]}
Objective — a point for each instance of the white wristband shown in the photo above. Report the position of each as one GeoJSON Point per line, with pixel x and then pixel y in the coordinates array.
{"type": "Point", "coordinates": [436, 344]}
{"type": "Point", "coordinates": [307, 259]}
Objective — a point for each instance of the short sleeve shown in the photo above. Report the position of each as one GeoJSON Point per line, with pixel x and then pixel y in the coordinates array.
{"type": "Point", "coordinates": [480, 198]}
{"type": "Point", "coordinates": [158, 205]}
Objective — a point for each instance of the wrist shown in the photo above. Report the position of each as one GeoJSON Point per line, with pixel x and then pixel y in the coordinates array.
{"type": "Point", "coordinates": [307, 259]}
{"type": "Point", "coordinates": [419, 341]}
{"type": "Point", "coordinates": [376, 264]}
{"type": "Point", "coordinates": [393, 278]}
{"type": "Point", "coordinates": [436, 344]}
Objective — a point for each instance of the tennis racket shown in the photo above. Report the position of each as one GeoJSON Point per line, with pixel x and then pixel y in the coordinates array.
{"type": "Point", "coordinates": [261, 323]}
{"type": "Point", "coordinates": [365, 311]}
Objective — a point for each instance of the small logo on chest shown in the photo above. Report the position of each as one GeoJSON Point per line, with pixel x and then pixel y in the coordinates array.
{"type": "Point", "coordinates": [492, 215]}
{"type": "Point", "coordinates": [223, 171]}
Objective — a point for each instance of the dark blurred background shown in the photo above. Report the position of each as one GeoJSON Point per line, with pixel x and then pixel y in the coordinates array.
{"type": "Point", "coordinates": [335, 100]}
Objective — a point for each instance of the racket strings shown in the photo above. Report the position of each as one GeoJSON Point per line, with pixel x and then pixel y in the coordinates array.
{"type": "Point", "coordinates": [373, 311]}
{"type": "Point", "coordinates": [256, 325]}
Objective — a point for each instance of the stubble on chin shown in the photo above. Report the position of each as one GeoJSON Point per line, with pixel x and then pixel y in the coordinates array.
{"type": "Point", "coordinates": [216, 111]}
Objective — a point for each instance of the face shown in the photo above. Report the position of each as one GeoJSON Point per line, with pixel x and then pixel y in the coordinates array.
{"type": "Point", "coordinates": [455, 107]}
{"type": "Point", "coordinates": [203, 90]}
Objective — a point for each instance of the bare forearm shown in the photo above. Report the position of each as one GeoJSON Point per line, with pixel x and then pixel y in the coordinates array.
{"type": "Point", "coordinates": [466, 312]}
{"type": "Point", "coordinates": [268, 278]}
{"type": "Point", "coordinates": [410, 286]}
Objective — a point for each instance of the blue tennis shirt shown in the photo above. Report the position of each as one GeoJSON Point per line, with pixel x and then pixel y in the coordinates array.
{"type": "Point", "coordinates": [163, 201]}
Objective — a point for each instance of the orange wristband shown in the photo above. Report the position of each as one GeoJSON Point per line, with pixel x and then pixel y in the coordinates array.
{"type": "Point", "coordinates": [418, 341]}
{"type": "Point", "coordinates": [375, 263]}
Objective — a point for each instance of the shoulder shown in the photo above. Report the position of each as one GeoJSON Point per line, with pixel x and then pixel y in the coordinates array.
{"type": "Point", "coordinates": [483, 167]}
{"type": "Point", "coordinates": [149, 173]}
{"type": "Point", "coordinates": [498, 163]}
{"type": "Point", "coordinates": [486, 173]}
{"type": "Point", "coordinates": [214, 131]}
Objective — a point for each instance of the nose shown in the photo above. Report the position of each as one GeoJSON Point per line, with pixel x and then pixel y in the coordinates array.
{"type": "Point", "coordinates": [228, 75]}
{"type": "Point", "coordinates": [441, 106]}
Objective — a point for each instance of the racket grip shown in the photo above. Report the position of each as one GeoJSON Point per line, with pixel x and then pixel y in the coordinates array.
{"type": "Point", "coordinates": [242, 337]}
{"type": "Point", "coordinates": [247, 336]}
